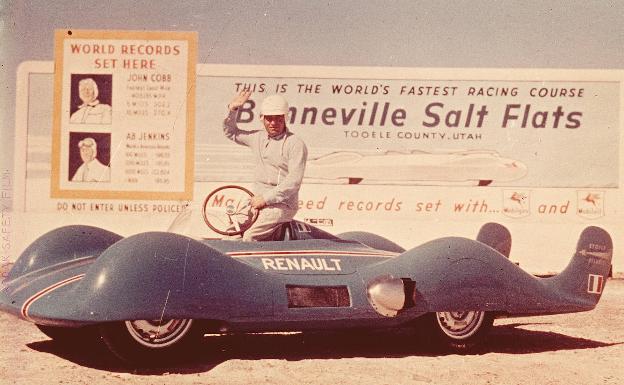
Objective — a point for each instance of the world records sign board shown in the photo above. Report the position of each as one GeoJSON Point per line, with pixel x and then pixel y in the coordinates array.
{"type": "Point", "coordinates": [124, 114]}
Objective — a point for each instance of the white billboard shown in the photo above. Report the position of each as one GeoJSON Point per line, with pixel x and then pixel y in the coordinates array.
{"type": "Point", "coordinates": [410, 154]}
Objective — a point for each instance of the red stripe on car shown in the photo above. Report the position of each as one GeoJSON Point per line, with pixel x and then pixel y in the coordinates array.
{"type": "Point", "coordinates": [310, 252]}
{"type": "Point", "coordinates": [47, 290]}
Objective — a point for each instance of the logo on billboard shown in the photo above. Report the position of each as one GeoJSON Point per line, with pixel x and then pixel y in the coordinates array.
{"type": "Point", "coordinates": [516, 203]}
{"type": "Point", "coordinates": [590, 204]}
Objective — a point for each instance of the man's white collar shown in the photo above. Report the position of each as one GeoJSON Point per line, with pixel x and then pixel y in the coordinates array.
{"type": "Point", "coordinates": [91, 104]}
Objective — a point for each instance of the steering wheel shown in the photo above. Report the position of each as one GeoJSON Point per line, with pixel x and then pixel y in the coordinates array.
{"type": "Point", "coordinates": [227, 210]}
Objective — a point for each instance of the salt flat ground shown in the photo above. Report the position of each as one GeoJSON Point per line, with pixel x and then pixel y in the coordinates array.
{"type": "Point", "coordinates": [585, 348]}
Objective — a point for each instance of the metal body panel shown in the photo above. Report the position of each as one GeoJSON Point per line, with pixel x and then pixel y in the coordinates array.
{"type": "Point", "coordinates": [65, 280]}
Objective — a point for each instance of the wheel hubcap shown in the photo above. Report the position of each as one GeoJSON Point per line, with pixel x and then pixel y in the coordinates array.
{"type": "Point", "coordinates": [460, 325]}
{"type": "Point", "coordinates": [158, 333]}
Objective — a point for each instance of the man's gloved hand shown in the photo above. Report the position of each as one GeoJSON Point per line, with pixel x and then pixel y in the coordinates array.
{"type": "Point", "coordinates": [258, 202]}
{"type": "Point", "coordinates": [239, 100]}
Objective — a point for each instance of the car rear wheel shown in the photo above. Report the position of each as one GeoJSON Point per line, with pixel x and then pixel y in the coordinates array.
{"type": "Point", "coordinates": [459, 330]}
{"type": "Point", "coordinates": [152, 342]}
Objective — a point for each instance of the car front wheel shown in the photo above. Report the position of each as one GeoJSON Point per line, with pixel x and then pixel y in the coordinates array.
{"type": "Point", "coordinates": [151, 342]}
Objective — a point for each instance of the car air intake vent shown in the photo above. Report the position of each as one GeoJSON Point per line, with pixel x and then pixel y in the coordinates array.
{"type": "Point", "coordinates": [317, 296]}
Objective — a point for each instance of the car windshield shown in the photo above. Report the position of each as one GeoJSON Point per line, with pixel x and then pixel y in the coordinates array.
{"type": "Point", "coordinates": [190, 223]}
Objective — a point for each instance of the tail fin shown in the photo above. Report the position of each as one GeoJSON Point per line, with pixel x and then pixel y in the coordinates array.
{"type": "Point", "coordinates": [586, 274]}
{"type": "Point", "coordinates": [496, 236]}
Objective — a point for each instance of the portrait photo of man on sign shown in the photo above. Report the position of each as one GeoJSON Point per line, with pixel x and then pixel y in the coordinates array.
{"type": "Point", "coordinates": [94, 166]}
{"type": "Point", "coordinates": [90, 102]}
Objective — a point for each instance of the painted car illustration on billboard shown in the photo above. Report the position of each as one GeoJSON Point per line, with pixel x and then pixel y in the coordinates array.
{"type": "Point", "coordinates": [151, 296]}
{"type": "Point", "coordinates": [480, 167]}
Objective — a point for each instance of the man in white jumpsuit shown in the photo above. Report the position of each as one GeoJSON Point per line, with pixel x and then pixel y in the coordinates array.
{"type": "Point", "coordinates": [280, 158]}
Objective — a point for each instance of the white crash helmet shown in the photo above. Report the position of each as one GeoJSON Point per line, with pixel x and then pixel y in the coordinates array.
{"type": "Point", "coordinates": [274, 105]}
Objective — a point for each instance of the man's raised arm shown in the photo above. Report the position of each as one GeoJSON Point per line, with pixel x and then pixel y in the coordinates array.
{"type": "Point", "coordinates": [230, 129]}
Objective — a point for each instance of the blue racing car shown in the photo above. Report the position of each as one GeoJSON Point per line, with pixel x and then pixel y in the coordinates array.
{"type": "Point", "coordinates": [151, 295]}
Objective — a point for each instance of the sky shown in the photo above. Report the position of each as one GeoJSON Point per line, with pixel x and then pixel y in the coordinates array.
{"type": "Point", "coordinates": [468, 34]}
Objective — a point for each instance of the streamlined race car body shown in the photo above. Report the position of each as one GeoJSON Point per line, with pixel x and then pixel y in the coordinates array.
{"type": "Point", "coordinates": [150, 294]}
